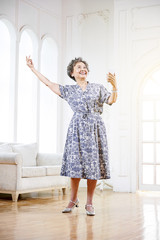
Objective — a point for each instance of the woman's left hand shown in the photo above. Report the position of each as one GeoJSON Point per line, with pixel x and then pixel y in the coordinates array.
{"type": "Point", "coordinates": [112, 79]}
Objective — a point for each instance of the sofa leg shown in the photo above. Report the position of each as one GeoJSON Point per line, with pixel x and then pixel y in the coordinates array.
{"type": "Point", "coordinates": [64, 191]}
{"type": "Point", "coordinates": [15, 196]}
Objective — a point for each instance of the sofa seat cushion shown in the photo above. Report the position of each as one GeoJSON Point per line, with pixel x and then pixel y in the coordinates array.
{"type": "Point", "coordinates": [28, 172]}
{"type": "Point", "coordinates": [53, 170]}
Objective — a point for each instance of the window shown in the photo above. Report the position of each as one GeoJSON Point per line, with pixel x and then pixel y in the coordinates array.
{"type": "Point", "coordinates": [7, 71]}
{"type": "Point", "coordinates": [28, 108]}
{"type": "Point", "coordinates": [27, 90]}
{"type": "Point", "coordinates": [150, 134]}
{"type": "Point", "coordinates": [48, 99]}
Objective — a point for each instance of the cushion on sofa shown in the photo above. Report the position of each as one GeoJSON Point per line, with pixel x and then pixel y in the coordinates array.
{"type": "Point", "coordinates": [28, 152]}
{"type": "Point", "coordinates": [53, 170]}
{"type": "Point", "coordinates": [28, 172]}
{"type": "Point", "coordinates": [6, 147]}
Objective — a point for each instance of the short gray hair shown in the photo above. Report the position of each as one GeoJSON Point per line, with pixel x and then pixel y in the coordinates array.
{"type": "Point", "coordinates": [72, 64]}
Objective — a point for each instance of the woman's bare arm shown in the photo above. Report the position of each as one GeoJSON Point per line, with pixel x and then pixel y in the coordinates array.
{"type": "Point", "coordinates": [112, 79]}
{"type": "Point", "coordinates": [53, 86]}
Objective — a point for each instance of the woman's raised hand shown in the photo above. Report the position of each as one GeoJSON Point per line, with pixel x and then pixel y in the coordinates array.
{"type": "Point", "coordinates": [112, 79]}
{"type": "Point", "coordinates": [29, 62]}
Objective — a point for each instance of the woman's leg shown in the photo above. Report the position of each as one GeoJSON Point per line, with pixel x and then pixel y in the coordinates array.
{"type": "Point", "coordinates": [74, 190]}
{"type": "Point", "coordinates": [91, 185]}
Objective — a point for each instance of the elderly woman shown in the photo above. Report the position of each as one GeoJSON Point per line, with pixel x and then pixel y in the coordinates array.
{"type": "Point", "coordinates": [86, 150]}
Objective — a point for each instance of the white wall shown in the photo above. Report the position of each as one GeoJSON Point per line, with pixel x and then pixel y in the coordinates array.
{"type": "Point", "coordinates": [137, 48]}
{"type": "Point", "coordinates": [33, 14]}
{"type": "Point", "coordinates": [120, 35]}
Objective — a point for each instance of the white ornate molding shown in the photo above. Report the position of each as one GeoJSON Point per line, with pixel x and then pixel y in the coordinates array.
{"type": "Point", "coordinates": [146, 17]}
{"type": "Point", "coordinates": [142, 47]}
{"type": "Point", "coordinates": [104, 14]}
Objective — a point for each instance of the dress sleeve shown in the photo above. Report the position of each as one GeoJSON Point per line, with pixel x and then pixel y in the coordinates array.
{"type": "Point", "coordinates": [104, 95]}
{"type": "Point", "coordinates": [64, 90]}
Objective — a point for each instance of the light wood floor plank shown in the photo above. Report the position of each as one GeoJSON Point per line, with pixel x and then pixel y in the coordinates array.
{"type": "Point", "coordinates": [119, 216]}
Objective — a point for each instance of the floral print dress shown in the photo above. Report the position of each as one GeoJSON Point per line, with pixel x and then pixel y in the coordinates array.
{"type": "Point", "coordinates": [86, 149]}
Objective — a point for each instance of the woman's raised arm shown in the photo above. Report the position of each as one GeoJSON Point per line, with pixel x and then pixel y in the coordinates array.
{"type": "Point", "coordinates": [112, 79]}
{"type": "Point", "coordinates": [53, 86]}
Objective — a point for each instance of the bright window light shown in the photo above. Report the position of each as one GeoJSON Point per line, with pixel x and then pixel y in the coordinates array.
{"type": "Point", "coordinates": [158, 110]}
{"type": "Point", "coordinates": [158, 131]}
{"type": "Point", "coordinates": [5, 41]}
{"type": "Point", "coordinates": [148, 131]}
{"type": "Point", "coordinates": [149, 214]}
{"type": "Point", "coordinates": [148, 152]}
{"type": "Point", "coordinates": [151, 87]}
{"type": "Point", "coordinates": [151, 131]}
{"type": "Point", "coordinates": [158, 152]}
{"type": "Point", "coordinates": [148, 174]}
{"type": "Point", "coordinates": [48, 99]}
{"type": "Point", "coordinates": [148, 110]}
{"type": "Point", "coordinates": [158, 175]}
{"type": "Point", "coordinates": [27, 92]}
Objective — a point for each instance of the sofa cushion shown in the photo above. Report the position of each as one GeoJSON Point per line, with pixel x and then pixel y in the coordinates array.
{"type": "Point", "coordinates": [28, 172]}
{"type": "Point", "coordinates": [28, 152]}
{"type": "Point", "coordinates": [5, 147]}
{"type": "Point", "coordinates": [53, 170]}
{"type": "Point", "coordinates": [49, 159]}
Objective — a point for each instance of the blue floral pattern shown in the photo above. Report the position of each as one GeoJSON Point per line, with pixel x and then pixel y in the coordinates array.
{"type": "Point", "coordinates": [86, 149]}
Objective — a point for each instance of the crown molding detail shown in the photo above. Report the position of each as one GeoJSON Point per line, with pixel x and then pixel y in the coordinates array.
{"type": "Point", "coordinates": [103, 14]}
{"type": "Point", "coordinates": [140, 16]}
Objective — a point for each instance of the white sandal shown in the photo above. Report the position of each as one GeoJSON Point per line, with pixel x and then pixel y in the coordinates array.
{"type": "Point", "coordinates": [68, 210]}
{"type": "Point", "coordinates": [90, 213]}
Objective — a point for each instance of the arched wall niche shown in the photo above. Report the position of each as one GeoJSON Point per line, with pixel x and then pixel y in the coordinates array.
{"type": "Point", "coordinates": [48, 109]}
{"type": "Point", "coordinates": [27, 91]}
{"type": "Point", "coordinates": [145, 67]}
{"type": "Point", "coordinates": [8, 64]}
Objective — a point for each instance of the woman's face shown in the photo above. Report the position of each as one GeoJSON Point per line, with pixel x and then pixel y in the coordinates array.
{"type": "Point", "coordinates": [80, 71]}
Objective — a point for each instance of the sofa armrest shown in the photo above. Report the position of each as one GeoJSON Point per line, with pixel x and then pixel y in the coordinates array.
{"type": "Point", "coordinates": [49, 159]}
{"type": "Point", "coordinates": [10, 171]}
{"type": "Point", "coordinates": [10, 158]}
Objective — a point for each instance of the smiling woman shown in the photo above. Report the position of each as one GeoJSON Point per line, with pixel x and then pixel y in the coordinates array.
{"type": "Point", "coordinates": [86, 148]}
{"type": "Point", "coordinates": [79, 64]}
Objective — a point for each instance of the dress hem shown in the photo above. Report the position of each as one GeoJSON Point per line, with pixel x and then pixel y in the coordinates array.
{"type": "Point", "coordinates": [85, 177]}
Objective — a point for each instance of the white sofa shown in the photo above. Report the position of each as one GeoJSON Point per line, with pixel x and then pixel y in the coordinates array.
{"type": "Point", "coordinates": [24, 170]}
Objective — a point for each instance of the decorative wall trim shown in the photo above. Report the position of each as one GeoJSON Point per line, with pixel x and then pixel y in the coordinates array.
{"type": "Point", "coordinates": [123, 42]}
{"type": "Point", "coordinates": [140, 16]}
{"type": "Point", "coordinates": [143, 47]}
{"type": "Point", "coordinates": [103, 14]}
{"type": "Point", "coordinates": [42, 9]}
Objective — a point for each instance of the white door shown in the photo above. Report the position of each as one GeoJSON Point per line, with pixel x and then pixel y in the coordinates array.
{"type": "Point", "coordinates": [149, 134]}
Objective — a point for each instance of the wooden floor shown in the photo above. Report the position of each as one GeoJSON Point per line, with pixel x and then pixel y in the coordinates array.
{"type": "Point", "coordinates": [119, 216]}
